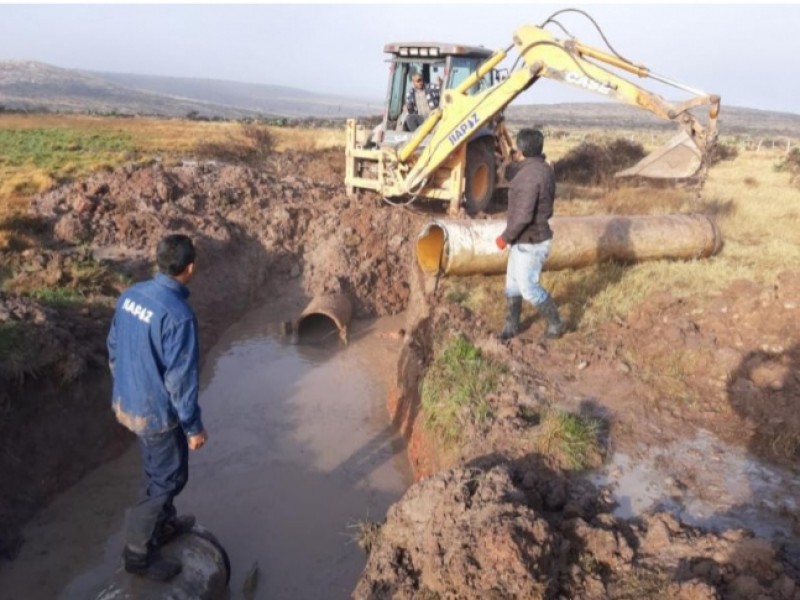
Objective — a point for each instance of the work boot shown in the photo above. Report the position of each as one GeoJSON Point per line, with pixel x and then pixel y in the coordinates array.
{"type": "Point", "coordinates": [513, 312]}
{"type": "Point", "coordinates": [150, 565]}
{"type": "Point", "coordinates": [171, 529]}
{"type": "Point", "coordinates": [549, 310]}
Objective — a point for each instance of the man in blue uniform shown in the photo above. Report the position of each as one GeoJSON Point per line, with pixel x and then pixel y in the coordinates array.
{"type": "Point", "coordinates": [154, 358]}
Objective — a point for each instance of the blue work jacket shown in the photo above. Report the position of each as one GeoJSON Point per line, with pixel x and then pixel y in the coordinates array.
{"type": "Point", "coordinates": [154, 357]}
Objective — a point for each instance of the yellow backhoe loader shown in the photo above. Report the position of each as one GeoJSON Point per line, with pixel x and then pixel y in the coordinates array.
{"type": "Point", "coordinates": [459, 152]}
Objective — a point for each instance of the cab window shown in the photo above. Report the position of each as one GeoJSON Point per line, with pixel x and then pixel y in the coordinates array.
{"type": "Point", "coordinates": [461, 67]}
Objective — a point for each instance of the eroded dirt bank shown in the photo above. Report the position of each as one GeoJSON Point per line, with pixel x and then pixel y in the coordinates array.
{"type": "Point", "coordinates": [518, 530]}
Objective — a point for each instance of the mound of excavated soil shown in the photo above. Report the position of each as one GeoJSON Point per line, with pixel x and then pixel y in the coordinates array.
{"type": "Point", "coordinates": [517, 531]}
{"type": "Point", "coordinates": [287, 222]}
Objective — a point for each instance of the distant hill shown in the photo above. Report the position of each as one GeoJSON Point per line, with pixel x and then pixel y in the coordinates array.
{"type": "Point", "coordinates": [28, 85]}
{"type": "Point", "coordinates": [274, 100]}
{"type": "Point", "coordinates": [733, 120]}
{"type": "Point", "coordinates": [33, 86]}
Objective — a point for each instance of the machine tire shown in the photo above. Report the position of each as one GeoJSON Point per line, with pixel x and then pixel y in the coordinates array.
{"type": "Point", "coordinates": [481, 176]}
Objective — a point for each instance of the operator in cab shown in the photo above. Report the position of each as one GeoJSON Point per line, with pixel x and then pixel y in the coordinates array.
{"type": "Point", "coordinates": [421, 100]}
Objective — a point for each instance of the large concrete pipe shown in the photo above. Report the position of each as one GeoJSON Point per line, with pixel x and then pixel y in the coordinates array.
{"type": "Point", "coordinates": [333, 307]}
{"type": "Point", "coordinates": [464, 247]}
{"type": "Point", "coordinates": [205, 575]}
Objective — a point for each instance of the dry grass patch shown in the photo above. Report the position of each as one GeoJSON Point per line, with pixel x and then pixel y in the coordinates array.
{"type": "Point", "coordinates": [308, 140]}
{"type": "Point", "coordinates": [671, 371]}
{"type": "Point", "coordinates": [763, 230]}
{"type": "Point", "coordinates": [594, 295]}
{"type": "Point", "coordinates": [647, 200]}
{"type": "Point", "coordinates": [481, 295]}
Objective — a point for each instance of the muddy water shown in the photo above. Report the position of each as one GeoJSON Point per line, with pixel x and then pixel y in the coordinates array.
{"type": "Point", "coordinates": [300, 450]}
{"type": "Point", "coordinates": [705, 482]}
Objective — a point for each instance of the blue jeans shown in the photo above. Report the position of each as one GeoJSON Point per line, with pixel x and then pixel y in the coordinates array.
{"type": "Point", "coordinates": [165, 458]}
{"type": "Point", "coordinates": [525, 262]}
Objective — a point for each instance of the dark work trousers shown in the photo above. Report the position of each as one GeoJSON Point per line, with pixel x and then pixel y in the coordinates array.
{"type": "Point", "coordinates": [413, 121]}
{"type": "Point", "coordinates": [165, 458]}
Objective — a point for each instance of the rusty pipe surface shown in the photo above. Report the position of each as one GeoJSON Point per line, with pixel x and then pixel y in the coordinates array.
{"type": "Point", "coordinates": [465, 247]}
{"type": "Point", "coordinates": [335, 307]}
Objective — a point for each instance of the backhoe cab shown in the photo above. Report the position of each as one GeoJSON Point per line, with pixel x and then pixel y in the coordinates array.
{"type": "Point", "coordinates": [459, 152]}
{"type": "Point", "coordinates": [470, 173]}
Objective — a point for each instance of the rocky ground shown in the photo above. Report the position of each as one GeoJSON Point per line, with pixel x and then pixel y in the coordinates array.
{"type": "Point", "coordinates": [494, 519]}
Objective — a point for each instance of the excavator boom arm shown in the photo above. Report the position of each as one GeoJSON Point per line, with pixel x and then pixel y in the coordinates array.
{"type": "Point", "coordinates": [573, 63]}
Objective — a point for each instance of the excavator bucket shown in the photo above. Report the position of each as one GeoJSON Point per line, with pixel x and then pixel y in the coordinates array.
{"type": "Point", "coordinates": [679, 158]}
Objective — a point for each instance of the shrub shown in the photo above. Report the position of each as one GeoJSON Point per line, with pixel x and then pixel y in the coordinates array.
{"type": "Point", "coordinates": [595, 164]}
{"type": "Point", "coordinates": [791, 164]}
{"type": "Point", "coordinates": [722, 152]}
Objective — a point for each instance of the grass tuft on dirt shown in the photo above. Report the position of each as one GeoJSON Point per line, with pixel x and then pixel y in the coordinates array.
{"type": "Point", "coordinates": [366, 534]}
{"type": "Point", "coordinates": [455, 390]}
{"type": "Point", "coordinates": [572, 441]}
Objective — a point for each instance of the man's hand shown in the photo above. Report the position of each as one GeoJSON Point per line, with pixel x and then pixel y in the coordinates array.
{"type": "Point", "coordinates": [197, 441]}
{"type": "Point", "coordinates": [501, 243]}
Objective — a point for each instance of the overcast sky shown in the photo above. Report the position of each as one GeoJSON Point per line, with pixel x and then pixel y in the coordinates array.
{"type": "Point", "coordinates": [747, 53]}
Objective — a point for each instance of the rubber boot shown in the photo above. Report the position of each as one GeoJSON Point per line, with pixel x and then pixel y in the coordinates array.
{"type": "Point", "coordinates": [513, 312]}
{"type": "Point", "coordinates": [555, 326]}
{"type": "Point", "coordinates": [150, 565]}
{"type": "Point", "coordinates": [171, 529]}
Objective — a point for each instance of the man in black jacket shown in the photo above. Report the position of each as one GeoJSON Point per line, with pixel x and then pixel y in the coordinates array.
{"type": "Point", "coordinates": [530, 205]}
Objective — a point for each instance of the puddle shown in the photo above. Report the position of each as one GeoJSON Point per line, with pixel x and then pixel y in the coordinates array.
{"type": "Point", "coordinates": [300, 448]}
{"type": "Point", "coordinates": [705, 482]}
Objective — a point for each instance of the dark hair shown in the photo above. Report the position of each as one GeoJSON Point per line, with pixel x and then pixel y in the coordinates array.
{"type": "Point", "coordinates": [175, 252]}
{"type": "Point", "coordinates": [530, 142]}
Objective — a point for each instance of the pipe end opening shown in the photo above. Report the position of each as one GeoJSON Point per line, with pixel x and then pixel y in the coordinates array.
{"type": "Point", "coordinates": [431, 249]}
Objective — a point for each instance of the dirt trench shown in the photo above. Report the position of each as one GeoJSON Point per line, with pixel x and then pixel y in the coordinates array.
{"type": "Point", "coordinates": [494, 521]}
{"type": "Point", "coordinates": [286, 231]}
